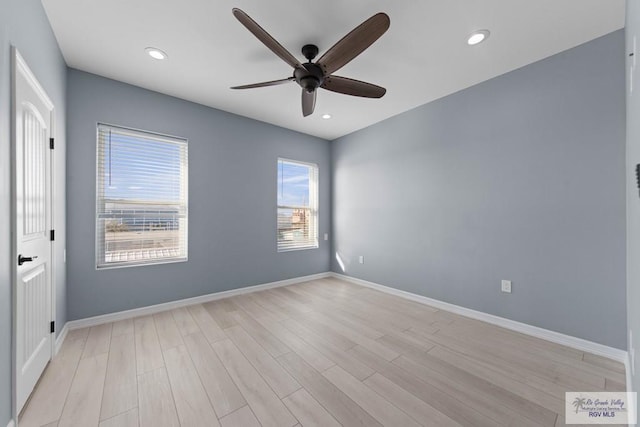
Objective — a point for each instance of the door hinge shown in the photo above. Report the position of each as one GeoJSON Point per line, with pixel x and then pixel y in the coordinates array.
{"type": "Point", "coordinates": [52, 143]}
{"type": "Point", "coordinates": [52, 326]}
{"type": "Point", "coordinates": [52, 235]}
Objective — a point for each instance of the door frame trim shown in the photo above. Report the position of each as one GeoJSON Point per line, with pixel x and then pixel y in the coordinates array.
{"type": "Point", "coordinates": [19, 65]}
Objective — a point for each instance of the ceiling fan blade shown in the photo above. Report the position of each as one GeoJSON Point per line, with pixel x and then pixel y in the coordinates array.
{"type": "Point", "coordinates": [353, 87]}
{"type": "Point", "coordinates": [308, 102]}
{"type": "Point", "coordinates": [354, 43]}
{"type": "Point", "coordinates": [266, 38]}
{"type": "Point", "coordinates": [265, 84]}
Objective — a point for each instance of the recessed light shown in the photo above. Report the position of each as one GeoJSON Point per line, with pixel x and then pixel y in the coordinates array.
{"type": "Point", "coordinates": [326, 116]}
{"type": "Point", "coordinates": [156, 53]}
{"type": "Point", "coordinates": [477, 37]}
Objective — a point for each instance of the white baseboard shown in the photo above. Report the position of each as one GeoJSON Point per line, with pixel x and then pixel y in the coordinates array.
{"type": "Point", "coordinates": [545, 334]}
{"type": "Point", "coordinates": [61, 337]}
{"type": "Point", "coordinates": [11, 424]}
{"type": "Point", "coordinates": [534, 331]}
{"type": "Point", "coordinates": [627, 369]}
{"type": "Point", "coordinates": [152, 309]}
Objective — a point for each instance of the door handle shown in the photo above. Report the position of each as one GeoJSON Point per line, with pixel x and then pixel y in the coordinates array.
{"type": "Point", "coordinates": [23, 259]}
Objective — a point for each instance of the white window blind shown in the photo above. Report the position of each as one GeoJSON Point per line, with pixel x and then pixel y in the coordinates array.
{"type": "Point", "coordinates": [297, 205]}
{"type": "Point", "coordinates": [141, 212]}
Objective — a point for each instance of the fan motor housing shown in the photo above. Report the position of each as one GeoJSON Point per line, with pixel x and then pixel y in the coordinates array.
{"type": "Point", "coordinates": [310, 77]}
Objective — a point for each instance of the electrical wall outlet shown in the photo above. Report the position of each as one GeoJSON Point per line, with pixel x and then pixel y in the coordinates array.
{"type": "Point", "coordinates": [326, 236]}
{"type": "Point", "coordinates": [361, 259]}
{"type": "Point", "coordinates": [505, 286]}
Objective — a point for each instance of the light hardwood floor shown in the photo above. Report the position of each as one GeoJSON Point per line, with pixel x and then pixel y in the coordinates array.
{"type": "Point", "coordinates": [322, 353]}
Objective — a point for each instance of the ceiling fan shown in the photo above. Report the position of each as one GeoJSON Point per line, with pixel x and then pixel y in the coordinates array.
{"type": "Point", "coordinates": [312, 75]}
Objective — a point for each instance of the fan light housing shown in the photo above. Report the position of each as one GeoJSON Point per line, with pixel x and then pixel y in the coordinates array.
{"type": "Point", "coordinates": [156, 53]}
{"type": "Point", "coordinates": [477, 37]}
{"type": "Point", "coordinates": [326, 116]}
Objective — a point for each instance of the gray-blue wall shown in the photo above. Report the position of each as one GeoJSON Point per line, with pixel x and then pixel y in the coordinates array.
{"type": "Point", "coordinates": [232, 199]}
{"type": "Point", "coordinates": [24, 24]}
{"type": "Point", "coordinates": [633, 192]}
{"type": "Point", "coordinates": [521, 177]}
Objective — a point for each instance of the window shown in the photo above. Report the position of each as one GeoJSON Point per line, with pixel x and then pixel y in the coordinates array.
{"type": "Point", "coordinates": [141, 192]}
{"type": "Point", "coordinates": [297, 205]}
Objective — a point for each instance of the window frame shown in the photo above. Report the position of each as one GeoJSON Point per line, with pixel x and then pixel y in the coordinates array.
{"type": "Point", "coordinates": [100, 201]}
{"type": "Point", "coordinates": [314, 191]}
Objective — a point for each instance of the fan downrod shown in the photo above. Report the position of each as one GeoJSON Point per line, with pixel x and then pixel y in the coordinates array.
{"type": "Point", "coordinates": [310, 51]}
{"type": "Point", "coordinates": [310, 76]}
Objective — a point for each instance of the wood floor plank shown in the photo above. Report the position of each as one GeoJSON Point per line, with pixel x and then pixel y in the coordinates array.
{"type": "Point", "coordinates": [371, 318]}
{"type": "Point", "coordinates": [265, 404]}
{"type": "Point", "coordinates": [287, 290]}
{"type": "Point", "coordinates": [332, 351]}
{"type": "Point", "coordinates": [98, 340]}
{"type": "Point", "coordinates": [77, 334]}
{"type": "Point", "coordinates": [407, 312]}
{"type": "Point", "coordinates": [319, 332]}
{"type": "Point", "coordinates": [222, 391]}
{"type": "Point", "coordinates": [157, 408]}
{"type": "Point", "coordinates": [535, 344]}
{"type": "Point", "coordinates": [286, 302]}
{"type": "Point", "coordinates": [168, 334]}
{"type": "Point", "coordinates": [491, 362]}
{"type": "Point", "coordinates": [383, 351]}
{"type": "Point", "coordinates": [394, 319]}
{"type": "Point", "coordinates": [191, 400]}
{"type": "Point", "coordinates": [492, 408]}
{"type": "Point", "coordinates": [448, 405]}
{"type": "Point", "coordinates": [381, 409]}
{"type": "Point", "coordinates": [127, 419]}
{"type": "Point", "coordinates": [499, 378]}
{"type": "Point", "coordinates": [419, 410]}
{"type": "Point", "coordinates": [310, 354]}
{"type": "Point", "coordinates": [271, 309]}
{"type": "Point", "coordinates": [468, 381]}
{"type": "Point", "coordinates": [122, 327]}
{"type": "Point", "coordinates": [274, 374]}
{"type": "Point", "coordinates": [555, 362]}
{"type": "Point", "coordinates": [148, 351]}
{"type": "Point", "coordinates": [243, 417]}
{"type": "Point", "coordinates": [610, 385]}
{"type": "Point", "coordinates": [253, 309]}
{"type": "Point", "coordinates": [405, 344]}
{"type": "Point", "coordinates": [275, 304]}
{"type": "Point", "coordinates": [266, 339]}
{"type": "Point", "coordinates": [185, 322]}
{"type": "Point", "coordinates": [308, 411]}
{"type": "Point", "coordinates": [47, 400]}
{"type": "Point", "coordinates": [603, 362]}
{"type": "Point", "coordinates": [121, 384]}
{"type": "Point", "coordinates": [555, 383]}
{"type": "Point", "coordinates": [207, 325]}
{"type": "Point", "coordinates": [218, 311]}
{"type": "Point", "coordinates": [364, 327]}
{"type": "Point", "coordinates": [314, 298]}
{"type": "Point", "coordinates": [260, 299]}
{"type": "Point", "coordinates": [339, 405]}
{"type": "Point", "coordinates": [83, 402]}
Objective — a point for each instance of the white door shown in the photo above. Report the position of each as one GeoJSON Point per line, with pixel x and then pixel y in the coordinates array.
{"type": "Point", "coordinates": [32, 203]}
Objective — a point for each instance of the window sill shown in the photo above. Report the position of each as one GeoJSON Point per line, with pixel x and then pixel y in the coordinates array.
{"type": "Point", "coordinates": [303, 248]}
{"type": "Point", "coordinates": [140, 264]}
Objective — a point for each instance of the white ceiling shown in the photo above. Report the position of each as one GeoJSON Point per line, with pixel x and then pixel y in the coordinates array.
{"type": "Point", "coordinates": [422, 57]}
